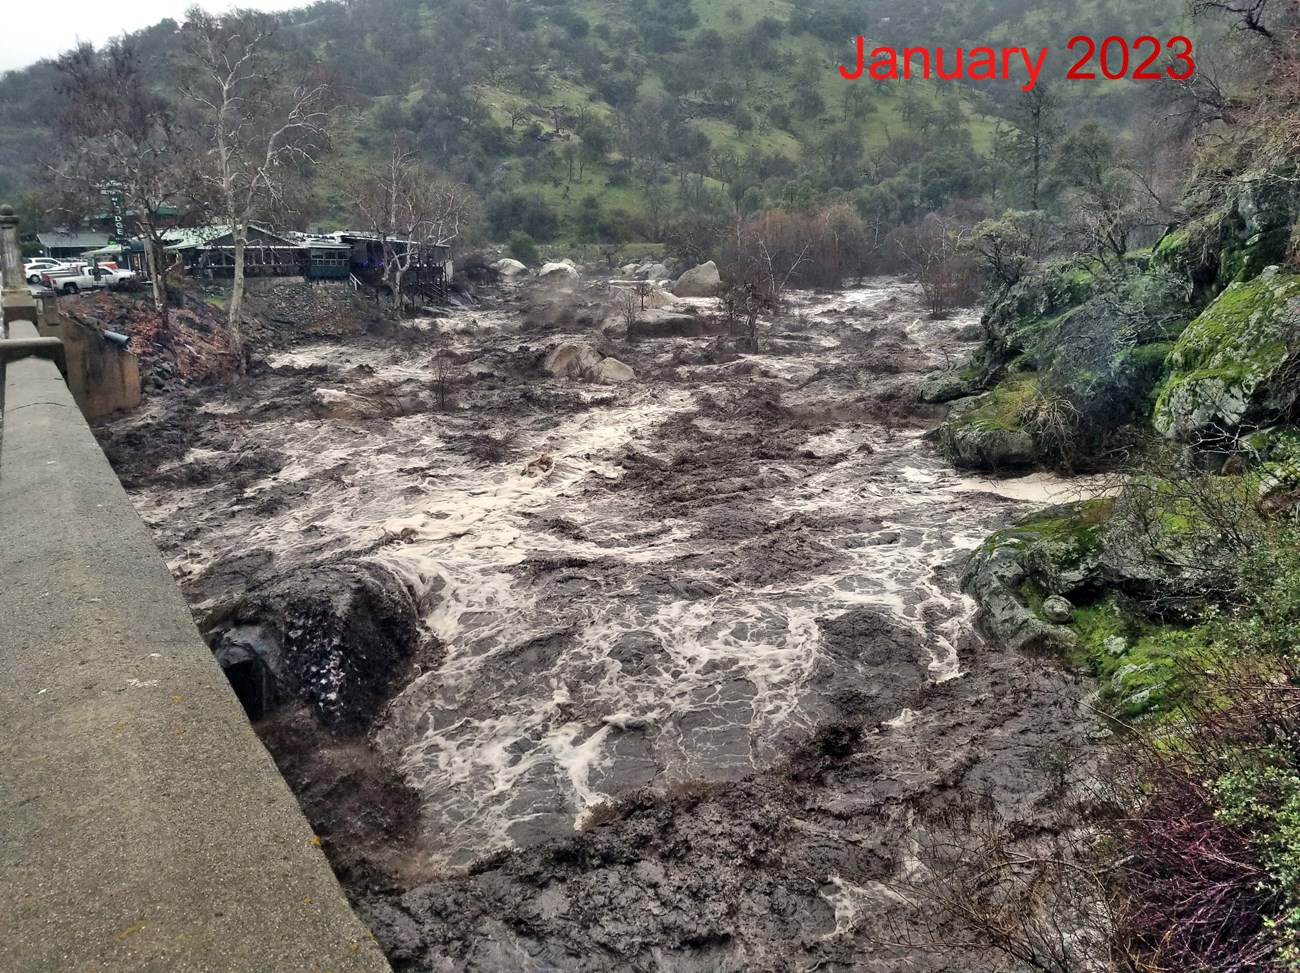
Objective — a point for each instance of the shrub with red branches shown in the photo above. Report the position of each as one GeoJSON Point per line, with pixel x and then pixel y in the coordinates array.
{"type": "Point", "coordinates": [1197, 896]}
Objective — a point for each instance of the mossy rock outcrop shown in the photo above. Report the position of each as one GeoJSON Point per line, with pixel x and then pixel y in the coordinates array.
{"type": "Point", "coordinates": [1024, 577]}
{"type": "Point", "coordinates": [1235, 240]}
{"type": "Point", "coordinates": [1016, 318]}
{"type": "Point", "coordinates": [950, 384]}
{"type": "Point", "coordinates": [986, 432]}
{"type": "Point", "coordinates": [1052, 555]}
{"type": "Point", "coordinates": [1225, 368]}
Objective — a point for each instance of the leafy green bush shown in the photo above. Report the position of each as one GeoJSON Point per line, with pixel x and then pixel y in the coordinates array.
{"type": "Point", "coordinates": [523, 248]}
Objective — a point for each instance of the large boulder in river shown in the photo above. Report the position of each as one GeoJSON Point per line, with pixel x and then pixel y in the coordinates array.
{"type": "Point", "coordinates": [613, 372]}
{"type": "Point", "coordinates": [374, 403]}
{"type": "Point", "coordinates": [561, 268]}
{"type": "Point", "coordinates": [987, 432]}
{"type": "Point", "coordinates": [948, 385]}
{"type": "Point", "coordinates": [334, 637]}
{"type": "Point", "coordinates": [509, 267]}
{"type": "Point", "coordinates": [1058, 552]}
{"type": "Point", "coordinates": [652, 271]}
{"type": "Point", "coordinates": [992, 450]}
{"type": "Point", "coordinates": [572, 361]}
{"type": "Point", "coordinates": [701, 281]}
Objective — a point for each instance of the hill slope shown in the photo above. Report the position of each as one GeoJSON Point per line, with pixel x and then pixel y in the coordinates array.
{"type": "Point", "coordinates": [592, 119]}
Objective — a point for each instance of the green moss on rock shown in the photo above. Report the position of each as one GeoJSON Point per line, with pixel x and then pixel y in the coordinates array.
{"type": "Point", "coordinates": [1019, 314]}
{"type": "Point", "coordinates": [1140, 665]}
{"type": "Point", "coordinates": [1055, 552]}
{"type": "Point", "coordinates": [1223, 364]}
{"type": "Point", "coordinates": [1195, 249]}
{"type": "Point", "coordinates": [988, 434]}
{"type": "Point", "coordinates": [1258, 252]}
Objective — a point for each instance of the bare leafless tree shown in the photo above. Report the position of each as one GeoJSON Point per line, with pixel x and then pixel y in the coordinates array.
{"type": "Point", "coordinates": [410, 209]}
{"type": "Point", "coordinates": [1249, 15]}
{"type": "Point", "coordinates": [945, 268]}
{"type": "Point", "coordinates": [120, 138]}
{"type": "Point", "coordinates": [261, 115]}
{"type": "Point", "coordinates": [447, 373]}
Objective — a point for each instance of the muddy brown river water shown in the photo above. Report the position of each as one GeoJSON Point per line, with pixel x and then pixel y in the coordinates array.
{"type": "Point", "coordinates": [657, 607]}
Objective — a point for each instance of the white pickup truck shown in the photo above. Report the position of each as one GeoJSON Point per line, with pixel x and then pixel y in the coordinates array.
{"type": "Point", "coordinates": [86, 277]}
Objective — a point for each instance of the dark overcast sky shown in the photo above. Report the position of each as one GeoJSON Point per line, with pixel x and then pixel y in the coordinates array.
{"type": "Point", "coordinates": [30, 31]}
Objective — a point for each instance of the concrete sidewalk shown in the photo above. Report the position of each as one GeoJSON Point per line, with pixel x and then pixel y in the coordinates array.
{"type": "Point", "coordinates": [142, 824]}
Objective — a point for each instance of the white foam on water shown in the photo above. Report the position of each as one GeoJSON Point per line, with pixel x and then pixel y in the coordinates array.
{"type": "Point", "coordinates": [558, 691]}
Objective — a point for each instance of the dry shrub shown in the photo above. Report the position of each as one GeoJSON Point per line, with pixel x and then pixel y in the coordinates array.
{"type": "Point", "coordinates": [603, 812]}
{"type": "Point", "coordinates": [934, 249]}
{"type": "Point", "coordinates": [1198, 894]}
{"type": "Point", "coordinates": [787, 249]}
{"type": "Point", "coordinates": [497, 449]}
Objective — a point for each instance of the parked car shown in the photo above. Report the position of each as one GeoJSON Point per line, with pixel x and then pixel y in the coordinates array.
{"type": "Point", "coordinates": [86, 277]}
{"type": "Point", "coordinates": [33, 268]}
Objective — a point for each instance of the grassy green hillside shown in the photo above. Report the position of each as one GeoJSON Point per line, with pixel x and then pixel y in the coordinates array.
{"type": "Point", "coordinates": [584, 120]}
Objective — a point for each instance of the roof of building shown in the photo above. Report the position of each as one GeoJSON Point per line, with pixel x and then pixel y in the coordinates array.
{"type": "Point", "coordinates": [318, 241]}
{"type": "Point", "coordinates": [368, 236]}
{"type": "Point", "coordinates": [198, 237]}
{"type": "Point", "coordinates": [64, 240]}
{"type": "Point", "coordinates": [117, 249]}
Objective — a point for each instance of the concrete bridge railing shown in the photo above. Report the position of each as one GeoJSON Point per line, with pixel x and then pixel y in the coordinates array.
{"type": "Point", "coordinates": [142, 824]}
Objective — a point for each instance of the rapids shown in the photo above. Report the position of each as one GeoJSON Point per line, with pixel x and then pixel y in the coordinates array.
{"type": "Point", "coordinates": [667, 581]}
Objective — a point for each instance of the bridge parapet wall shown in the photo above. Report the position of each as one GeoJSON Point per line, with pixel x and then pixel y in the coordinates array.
{"type": "Point", "coordinates": [142, 824]}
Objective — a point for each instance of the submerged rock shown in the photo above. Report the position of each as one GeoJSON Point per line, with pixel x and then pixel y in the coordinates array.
{"type": "Point", "coordinates": [659, 323]}
{"type": "Point", "coordinates": [333, 637]}
{"type": "Point", "coordinates": [336, 404]}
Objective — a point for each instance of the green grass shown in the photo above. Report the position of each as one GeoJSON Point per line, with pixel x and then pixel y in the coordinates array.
{"type": "Point", "coordinates": [880, 122]}
{"type": "Point", "coordinates": [1140, 666]}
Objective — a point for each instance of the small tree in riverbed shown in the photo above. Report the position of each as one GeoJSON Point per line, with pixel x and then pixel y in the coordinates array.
{"type": "Point", "coordinates": [1010, 244]}
{"type": "Point", "coordinates": [741, 306]}
{"type": "Point", "coordinates": [944, 267]}
{"type": "Point", "coordinates": [447, 374]}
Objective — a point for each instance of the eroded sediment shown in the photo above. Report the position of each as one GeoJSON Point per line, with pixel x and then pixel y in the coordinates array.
{"type": "Point", "coordinates": [686, 656]}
